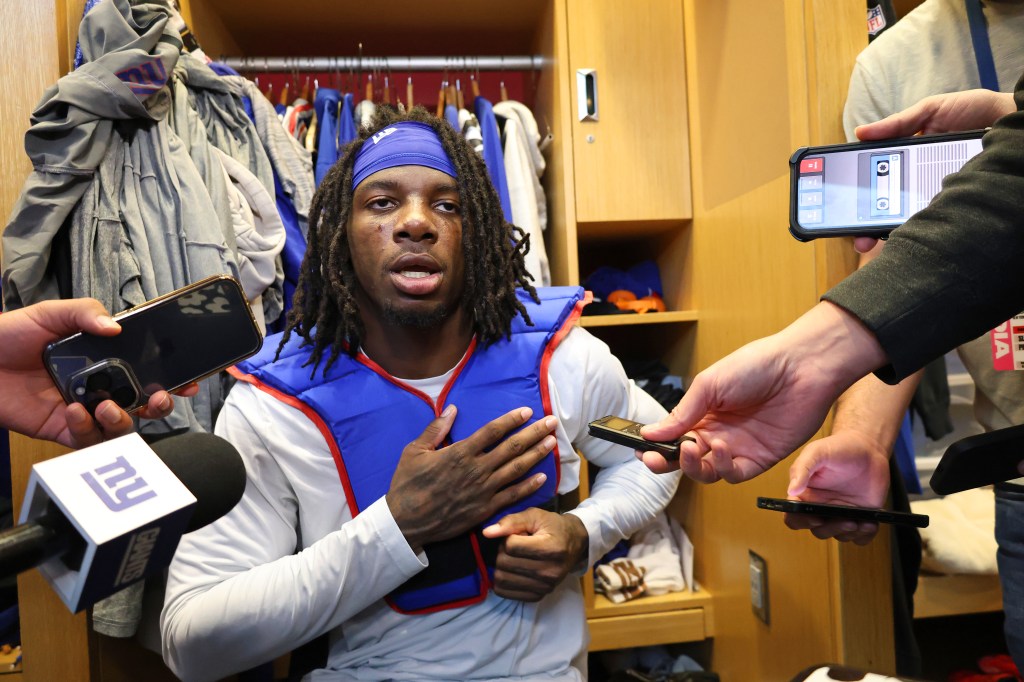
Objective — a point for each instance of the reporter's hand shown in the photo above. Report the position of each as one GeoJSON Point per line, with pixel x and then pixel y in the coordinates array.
{"type": "Point", "coordinates": [949, 112]}
{"type": "Point", "coordinates": [945, 113]}
{"type": "Point", "coordinates": [436, 493]}
{"type": "Point", "coordinates": [754, 407]}
{"type": "Point", "coordinates": [540, 549]}
{"type": "Point", "coordinates": [31, 404]}
{"type": "Point", "coordinates": [844, 468]}
{"type": "Point", "coordinates": [110, 421]}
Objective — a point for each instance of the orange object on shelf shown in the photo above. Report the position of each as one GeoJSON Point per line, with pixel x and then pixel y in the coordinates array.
{"type": "Point", "coordinates": [656, 301]}
{"type": "Point", "coordinates": [645, 304]}
{"type": "Point", "coordinates": [621, 295]}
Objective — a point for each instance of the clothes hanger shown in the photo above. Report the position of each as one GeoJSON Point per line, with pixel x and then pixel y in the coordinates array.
{"type": "Point", "coordinates": [283, 99]}
{"type": "Point", "coordinates": [387, 82]}
{"type": "Point", "coordinates": [359, 67]}
{"type": "Point", "coordinates": [451, 97]}
{"type": "Point", "coordinates": [440, 98]}
{"type": "Point", "coordinates": [460, 101]}
{"type": "Point", "coordinates": [504, 92]}
{"type": "Point", "coordinates": [408, 93]}
{"type": "Point", "coordinates": [269, 93]}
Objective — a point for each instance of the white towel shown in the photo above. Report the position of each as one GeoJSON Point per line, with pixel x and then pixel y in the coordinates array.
{"type": "Point", "coordinates": [960, 538]}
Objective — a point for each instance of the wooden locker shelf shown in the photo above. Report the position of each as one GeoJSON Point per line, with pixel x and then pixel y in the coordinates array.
{"type": "Point", "coordinates": [665, 619]}
{"type": "Point", "coordinates": [952, 595]}
{"type": "Point", "coordinates": [632, 318]}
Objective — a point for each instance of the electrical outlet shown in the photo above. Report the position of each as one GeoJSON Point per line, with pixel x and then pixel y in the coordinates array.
{"type": "Point", "coordinates": [759, 586]}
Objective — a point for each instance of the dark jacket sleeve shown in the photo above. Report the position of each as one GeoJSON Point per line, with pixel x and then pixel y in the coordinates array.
{"type": "Point", "coordinates": [955, 269]}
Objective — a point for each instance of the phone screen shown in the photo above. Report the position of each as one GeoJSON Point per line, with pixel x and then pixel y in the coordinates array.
{"type": "Point", "coordinates": [883, 186]}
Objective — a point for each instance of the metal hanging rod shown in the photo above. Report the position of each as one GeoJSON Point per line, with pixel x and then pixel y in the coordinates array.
{"type": "Point", "coordinates": [489, 63]}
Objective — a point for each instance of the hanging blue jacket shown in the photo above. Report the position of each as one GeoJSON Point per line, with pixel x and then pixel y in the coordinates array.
{"type": "Point", "coordinates": [369, 417]}
{"type": "Point", "coordinates": [326, 106]}
{"type": "Point", "coordinates": [494, 155]}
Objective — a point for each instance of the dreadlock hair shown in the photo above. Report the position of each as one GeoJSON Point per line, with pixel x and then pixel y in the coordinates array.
{"type": "Point", "coordinates": [324, 311]}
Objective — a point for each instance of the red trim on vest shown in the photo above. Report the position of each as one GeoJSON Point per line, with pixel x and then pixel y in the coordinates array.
{"type": "Point", "coordinates": [443, 395]}
{"type": "Point", "coordinates": [364, 359]}
{"type": "Point", "coordinates": [545, 362]}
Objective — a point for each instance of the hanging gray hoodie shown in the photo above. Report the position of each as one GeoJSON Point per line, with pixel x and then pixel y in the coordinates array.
{"type": "Point", "coordinates": [130, 56]}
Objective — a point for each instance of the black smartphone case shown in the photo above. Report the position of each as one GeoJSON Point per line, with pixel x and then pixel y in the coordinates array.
{"type": "Point", "coordinates": [878, 231]}
{"type": "Point", "coordinates": [164, 344]}
{"type": "Point", "coordinates": [843, 512]}
{"type": "Point", "coordinates": [979, 460]}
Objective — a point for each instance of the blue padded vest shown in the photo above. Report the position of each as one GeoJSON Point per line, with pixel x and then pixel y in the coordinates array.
{"type": "Point", "coordinates": [368, 417]}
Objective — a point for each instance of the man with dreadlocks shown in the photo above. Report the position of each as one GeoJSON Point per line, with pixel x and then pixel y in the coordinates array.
{"type": "Point", "coordinates": [406, 440]}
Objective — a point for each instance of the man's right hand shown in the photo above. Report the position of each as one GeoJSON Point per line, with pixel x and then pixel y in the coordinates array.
{"type": "Point", "coordinates": [846, 468]}
{"type": "Point", "coordinates": [436, 493]}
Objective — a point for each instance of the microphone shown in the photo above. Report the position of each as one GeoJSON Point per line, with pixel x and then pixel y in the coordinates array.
{"type": "Point", "coordinates": [99, 519]}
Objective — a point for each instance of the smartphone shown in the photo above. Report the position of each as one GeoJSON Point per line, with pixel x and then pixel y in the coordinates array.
{"type": "Point", "coordinates": [164, 344]}
{"type": "Point", "coordinates": [867, 189]}
{"type": "Point", "coordinates": [627, 432]}
{"type": "Point", "coordinates": [979, 460]}
{"type": "Point", "coordinates": [843, 512]}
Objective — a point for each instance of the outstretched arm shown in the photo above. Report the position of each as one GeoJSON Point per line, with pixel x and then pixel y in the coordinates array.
{"type": "Point", "coordinates": [756, 406]}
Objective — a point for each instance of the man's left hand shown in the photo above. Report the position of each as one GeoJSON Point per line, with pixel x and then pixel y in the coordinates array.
{"type": "Point", "coordinates": [540, 549]}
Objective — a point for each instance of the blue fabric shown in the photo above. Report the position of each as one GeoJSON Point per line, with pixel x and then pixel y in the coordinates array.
{"type": "Point", "coordinates": [494, 157]}
{"type": "Point", "coordinates": [222, 69]}
{"type": "Point", "coordinates": [294, 242]}
{"type": "Point", "coordinates": [247, 106]}
{"type": "Point", "coordinates": [406, 143]}
{"type": "Point", "coordinates": [371, 419]}
{"type": "Point", "coordinates": [451, 114]}
{"type": "Point", "coordinates": [643, 279]}
{"type": "Point", "coordinates": [903, 451]}
{"type": "Point", "coordinates": [293, 251]}
{"type": "Point", "coordinates": [347, 125]}
{"type": "Point", "coordinates": [1010, 559]}
{"type": "Point", "coordinates": [982, 48]}
{"type": "Point", "coordinates": [326, 106]}
{"type": "Point", "coordinates": [79, 55]}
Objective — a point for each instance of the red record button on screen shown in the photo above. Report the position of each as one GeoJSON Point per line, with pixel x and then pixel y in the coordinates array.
{"type": "Point", "coordinates": [812, 165]}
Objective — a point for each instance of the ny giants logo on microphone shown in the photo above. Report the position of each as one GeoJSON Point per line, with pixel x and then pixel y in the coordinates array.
{"type": "Point", "coordinates": [122, 488]}
{"type": "Point", "coordinates": [133, 491]}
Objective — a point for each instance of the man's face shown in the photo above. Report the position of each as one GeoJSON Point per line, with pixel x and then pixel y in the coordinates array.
{"type": "Point", "coordinates": [405, 236]}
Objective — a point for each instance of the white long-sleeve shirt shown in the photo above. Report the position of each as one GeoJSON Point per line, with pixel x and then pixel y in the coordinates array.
{"type": "Point", "coordinates": [238, 594]}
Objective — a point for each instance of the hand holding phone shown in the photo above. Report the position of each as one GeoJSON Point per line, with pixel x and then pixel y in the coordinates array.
{"type": "Point", "coordinates": [839, 511]}
{"type": "Point", "coordinates": [627, 432]}
{"type": "Point", "coordinates": [867, 189]}
{"type": "Point", "coordinates": [164, 344]}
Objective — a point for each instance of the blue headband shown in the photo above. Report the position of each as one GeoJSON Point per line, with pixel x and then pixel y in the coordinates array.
{"type": "Point", "coordinates": [406, 143]}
